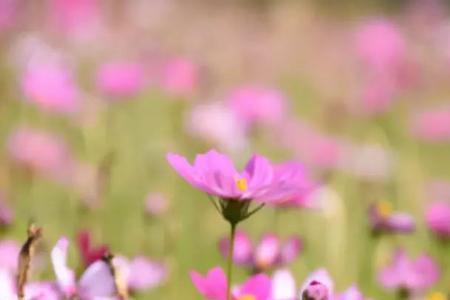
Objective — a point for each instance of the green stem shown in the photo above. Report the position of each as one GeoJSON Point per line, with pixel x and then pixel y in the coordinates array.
{"type": "Point", "coordinates": [230, 260]}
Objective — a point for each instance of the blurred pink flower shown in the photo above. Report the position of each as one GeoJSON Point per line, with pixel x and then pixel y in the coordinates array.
{"type": "Point", "coordinates": [437, 217]}
{"type": "Point", "coordinates": [383, 219]}
{"type": "Point", "coordinates": [145, 274]}
{"type": "Point", "coordinates": [382, 48]}
{"type": "Point", "coordinates": [380, 44]}
{"type": "Point", "coordinates": [377, 95]}
{"type": "Point", "coordinates": [41, 152]}
{"type": "Point", "coordinates": [318, 286]}
{"type": "Point", "coordinates": [215, 174]}
{"type": "Point", "coordinates": [95, 283]}
{"type": "Point", "coordinates": [8, 13]}
{"type": "Point", "coordinates": [6, 213]}
{"type": "Point", "coordinates": [180, 77]}
{"type": "Point", "coordinates": [352, 293]}
{"type": "Point", "coordinates": [216, 124]}
{"type": "Point", "coordinates": [268, 253]}
{"type": "Point", "coordinates": [51, 87]}
{"type": "Point", "coordinates": [213, 286]}
{"type": "Point", "coordinates": [432, 125]}
{"type": "Point", "coordinates": [409, 274]}
{"type": "Point", "coordinates": [74, 16]}
{"type": "Point", "coordinates": [156, 204]}
{"type": "Point", "coordinates": [257, 105]}
{"type": "Point", "coordinates": [9, 254]}
{"type": "Point", "coordinates": [120, 79]}
{"type": "Point", "coordinates": [243, 248]}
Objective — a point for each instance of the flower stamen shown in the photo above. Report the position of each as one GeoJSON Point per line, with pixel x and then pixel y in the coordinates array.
{"type": "Point", "coordinates": [242, 184]}
{"type": "Point", "coordinates": [384, 208]}
{"type": "Point", "coordinates": [246, 297]}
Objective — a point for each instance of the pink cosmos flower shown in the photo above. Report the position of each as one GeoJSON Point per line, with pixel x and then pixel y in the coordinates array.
{"type": "Point", "coordinates": [437, 217]}
{"type": "Point", "coordinates": [52, 88]}
{"type": "Point", "coordinates": [383, 219]}
{"type": "Point", "coordinates": [96, 282]}
{"type": "Point", "coordinates": [89, 254]}
{"type": "Point", "coordinates": [120, 79]}
{"type": "Point", "coordinates": [318, 286]}
{"type": "Point", "coordinates": [179, 77]}
{"type": "Point", "coordinates": [270, 252]}
{"type": "Point", "coordinates": [215, 174]}
{"type": "Point", "coordinates": [432, 125]}
{"type": "Point", "coordinates": [408, 274]}
{"type": "Point", "coordinates": [213, 286]}
{"type": "Point", "coordinates": [40, 152]}
{"type": "Point", "coordinates": [257, 105]}
{"type": "Point", "coordinates": [156, 204]}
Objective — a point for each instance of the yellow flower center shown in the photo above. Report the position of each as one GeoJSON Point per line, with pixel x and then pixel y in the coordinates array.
{"type": "Point", "coordinates": [246, 297]}
{"type": "Point", "coordinates": [384, 208]}
{"type": "Point", "coordinates": [437, 296]}
{"type": "Point", "coordinates": [242, 185]}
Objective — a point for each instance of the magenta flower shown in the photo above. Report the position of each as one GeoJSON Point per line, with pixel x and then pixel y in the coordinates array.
{"type": "Point", "coordinates": [215, 174]}
{"type": "Point", "coordinates": [384, 220]}
{"type": "Point", "coordinates": [120, 79]}
{"type": "Point", "coordinates": [213, 286]}
{"type": "Point", "coordinates": [96, 281]}
{"type": "Point", "coordinates": [89, 254]}
{"type": "Point", "coordinates": [180, 77]}
{"type": "Point", "coordinates": [270, 252]}
{"type": "Point", "coordinates": [438, 218]}
{"type": "Point", "coordinates": [258, 105]}
{"type": "Point", "coordinates": [410, 275]}
{"type": "Point", "coordinates": [51, 88]}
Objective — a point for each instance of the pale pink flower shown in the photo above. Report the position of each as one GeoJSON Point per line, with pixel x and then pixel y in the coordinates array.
{"type": "Point", "coordinates": [51, 87]}
{"type": "Point", "coordinates": [180, 77]}
{"type": "Point", "coordinates": [120, 79]}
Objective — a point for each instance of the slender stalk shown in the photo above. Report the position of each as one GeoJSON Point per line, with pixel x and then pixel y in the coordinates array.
{"type": "Point", "coordinates": [230, 260]}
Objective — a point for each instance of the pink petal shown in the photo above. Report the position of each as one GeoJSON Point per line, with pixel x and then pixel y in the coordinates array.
{"type": "Point", "coordinates": [64, 275]}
